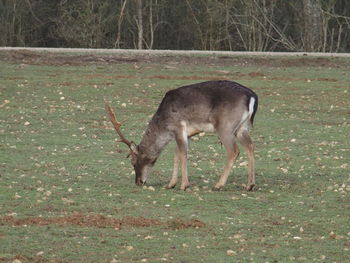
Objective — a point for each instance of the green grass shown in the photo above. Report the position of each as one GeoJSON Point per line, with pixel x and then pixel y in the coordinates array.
{"type": "Point", "coordinates": [59, 159]}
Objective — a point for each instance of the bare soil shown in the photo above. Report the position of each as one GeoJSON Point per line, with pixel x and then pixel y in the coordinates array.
{"type": "Point", "coordinates": [35, 57]}
{"type": "Point", "coordinates": [99, 221]}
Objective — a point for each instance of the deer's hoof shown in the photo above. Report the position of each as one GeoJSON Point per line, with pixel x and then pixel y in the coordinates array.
{"type": "Point", "coordinates": [217, 187]}
{"type": "Point", "coordinates": [250, 187]}
{"type": "Point", "coordinates": [184, 187]}
{"type": "Point", "coordinates": [170, 186]}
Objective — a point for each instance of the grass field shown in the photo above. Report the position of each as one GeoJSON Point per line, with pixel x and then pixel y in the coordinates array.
{"type": "Point", "coordinates": [67, 192]}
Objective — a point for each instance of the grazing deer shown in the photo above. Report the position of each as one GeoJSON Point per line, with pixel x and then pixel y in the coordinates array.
{"type": "Point", "coordinates": [224, 107]}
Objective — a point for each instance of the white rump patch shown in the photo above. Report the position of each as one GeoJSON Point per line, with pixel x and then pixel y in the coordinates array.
{"type": "Point", "coordinates": [247, 114]}
{"type": "Point", "coordinates": [251, 105]}
{"type": "Point", "coordinates": [244, 125]}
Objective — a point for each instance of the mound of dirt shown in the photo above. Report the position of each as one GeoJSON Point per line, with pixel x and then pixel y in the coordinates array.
{"type": "Point", "coordinates": [99, 221]}
{"type": "Point", "coordinates": [36, 57]}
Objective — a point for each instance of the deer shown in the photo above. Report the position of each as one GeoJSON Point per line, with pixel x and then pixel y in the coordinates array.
{"type": "Point", "coordinates": [223, 107]}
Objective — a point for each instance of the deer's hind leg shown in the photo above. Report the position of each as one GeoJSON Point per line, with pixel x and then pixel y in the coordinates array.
{"type": "Point", "coordinates": [228, 140]}
{"type": "Point", "coordinates": [245, 140]}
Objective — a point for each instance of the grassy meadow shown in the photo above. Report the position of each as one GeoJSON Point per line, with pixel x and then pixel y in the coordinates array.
{"type": "Point", "coordinates": [67, 191]}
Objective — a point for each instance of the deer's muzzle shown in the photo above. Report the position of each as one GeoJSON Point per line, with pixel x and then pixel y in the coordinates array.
{"type": "Point", "coordinates": [138, 181]}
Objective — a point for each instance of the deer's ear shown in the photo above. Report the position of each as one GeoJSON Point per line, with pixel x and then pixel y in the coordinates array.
{"type": "Point", "coordinates": [134, 148]}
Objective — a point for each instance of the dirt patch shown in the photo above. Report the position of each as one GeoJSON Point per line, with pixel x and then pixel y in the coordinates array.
{"type": "Point", "coordinates": [327, 79]}
{"type": "Point", "coordinates": [255, 74]}
{"type": "Point", "coordinates": [93, 76]}
{"type": "Point", "coordinates": [180, 224]}
{"type": "Point", "coordinates": [76, 59]}
{"type": "Point", "coordinates": [77, 219]}
{"type": "Point", "coordinates": [99, 221]}
{"type": "Point", "coordinates": [285, 62]}
{"type": "Point", "coordinates": [209, 75]}
{"type": "Point", "coordinates": [194, 77]}
{"type": "Point", "coordinates": [303, 79]}
{"type": "Point", "coordinates": [45, 58]}
{"type": "Point", "coordinates": [186, 77]}
{"type": "Point", "coordinates": [37, 259]}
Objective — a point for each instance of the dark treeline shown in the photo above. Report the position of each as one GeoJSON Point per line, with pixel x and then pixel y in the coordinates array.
{"type": "Point", "coordinates": [251, 25]}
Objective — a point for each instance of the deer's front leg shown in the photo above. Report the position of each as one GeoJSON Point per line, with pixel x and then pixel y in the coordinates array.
{"type": "Point", "coordinates": [184, 180]}
{"type": "Point", "coordinates": [182, 145]}
{"type": "Point", "coordinates": [173, 180]}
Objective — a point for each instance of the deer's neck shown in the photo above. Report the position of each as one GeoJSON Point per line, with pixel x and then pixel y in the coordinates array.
{"type": "Point", "coordinates": [155, 139]}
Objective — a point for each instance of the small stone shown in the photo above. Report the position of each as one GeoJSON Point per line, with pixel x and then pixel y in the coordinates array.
{"type": "Point", "coordinates": [231, 253]}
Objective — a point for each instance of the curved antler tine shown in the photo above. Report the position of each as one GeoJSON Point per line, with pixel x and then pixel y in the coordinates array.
{"type": "Point", "coordinates": [116, 124]}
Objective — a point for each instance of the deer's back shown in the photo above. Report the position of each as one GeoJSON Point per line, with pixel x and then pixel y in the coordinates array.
{"type": "Point", "coordinates": [201, 102]}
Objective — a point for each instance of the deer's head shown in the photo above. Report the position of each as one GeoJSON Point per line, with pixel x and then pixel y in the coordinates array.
{"type": "Point", "coordinates": [140, 161]}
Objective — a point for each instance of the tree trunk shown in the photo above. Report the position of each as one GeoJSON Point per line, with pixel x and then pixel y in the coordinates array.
{"type": "Point", "coordinates": [151, 25]}
{"type": "Point", "coordinates": [312, 25]}
{"type": "Point", "coordinates": [139, 24]}
{"type": "Point", "coordinates": [120, 21]}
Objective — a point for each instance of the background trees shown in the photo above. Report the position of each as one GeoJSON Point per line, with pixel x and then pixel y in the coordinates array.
{"type": "Point", "coordinates": [252, 25]}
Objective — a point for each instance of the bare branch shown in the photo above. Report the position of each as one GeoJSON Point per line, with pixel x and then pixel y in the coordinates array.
{"type": "Point", "coordinates": [120, 21]}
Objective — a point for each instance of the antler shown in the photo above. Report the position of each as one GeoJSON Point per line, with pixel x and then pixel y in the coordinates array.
{"type": "Point", "coordinates": [116, 124]}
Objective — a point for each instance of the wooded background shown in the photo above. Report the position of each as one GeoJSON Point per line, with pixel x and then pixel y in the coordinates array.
{"type": "Point", "coordinates": [249, 25]}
